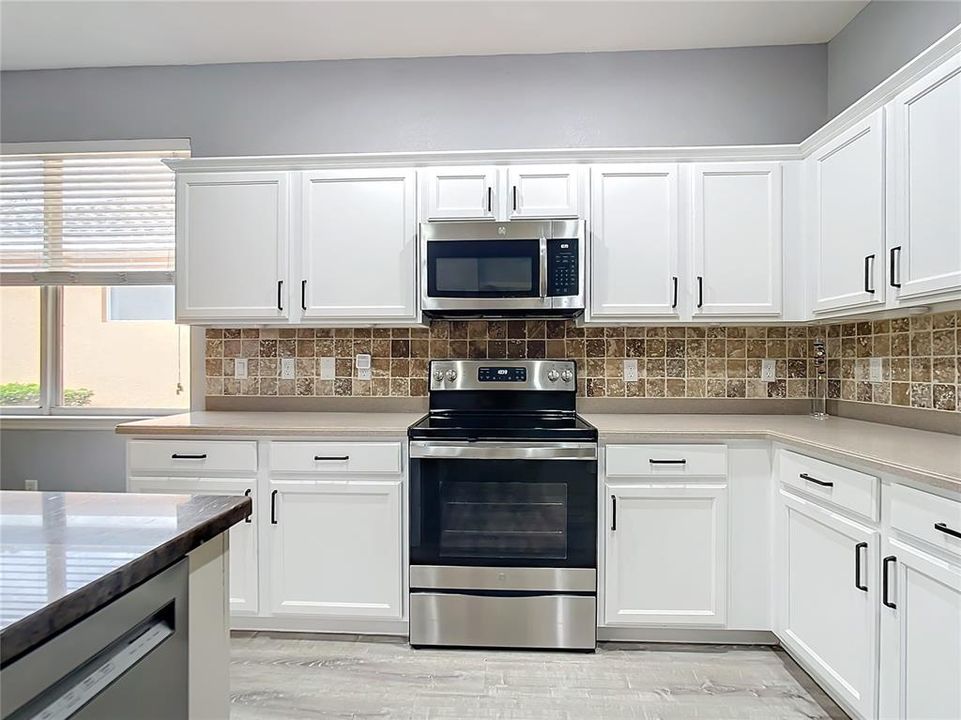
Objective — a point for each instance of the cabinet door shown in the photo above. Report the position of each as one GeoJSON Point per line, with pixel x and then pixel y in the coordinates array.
{"type": "Point", "coordinates": [828, 590]}
{"type": "Point", "coordinates": [926, 247]}
{"type": "Point", "coordinates": [737, 239]}
{"type": "Point", "coordinates": [335, 549]}
{"type": "Point", "coordinates": [243, 535]}
{"type": "Point", "coordinates": [543, 191]}
{"type": "Point", "coordinates": [848, 212]}
{"type": "Point", "coordinates": [461, 193]}
{"type": "Point", "coordinates": [633, 242]}
{"type": "Point", "coordinates": [666, 554]}
{"type": "Point", "coordinates": [232, 246]}
{"type": "Point", "coordinates": [359, 246]}
{"type": "Point", "coordinates": [920, 636]}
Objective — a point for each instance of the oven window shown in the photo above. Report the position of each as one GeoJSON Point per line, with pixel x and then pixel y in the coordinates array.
{"type": "Point", "coordinates": [485, 268]}
{"type": "Point", "coordinates": [503, 520]}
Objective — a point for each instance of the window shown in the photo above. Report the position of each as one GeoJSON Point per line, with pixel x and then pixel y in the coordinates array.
{"type": "Point", "coordinates": [86, 264]}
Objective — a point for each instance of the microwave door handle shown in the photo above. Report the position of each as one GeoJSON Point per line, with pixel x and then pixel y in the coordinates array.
{"type": "Point", "coordinates": [543, 268]}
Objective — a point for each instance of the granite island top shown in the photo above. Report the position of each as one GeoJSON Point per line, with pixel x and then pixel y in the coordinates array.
{"type": "Point", "coordinates": [66, 555]}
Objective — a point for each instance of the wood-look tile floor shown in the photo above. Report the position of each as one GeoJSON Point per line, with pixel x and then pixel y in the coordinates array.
{"type": "Point", "coordinates": [297, 676]}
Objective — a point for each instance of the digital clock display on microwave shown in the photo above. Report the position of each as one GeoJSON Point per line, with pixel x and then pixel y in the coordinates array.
{"type": "Point", "coordinates": [501, 374]}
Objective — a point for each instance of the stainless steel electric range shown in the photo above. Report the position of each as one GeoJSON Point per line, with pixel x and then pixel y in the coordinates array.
{"type": "Point", "coordinates": [503, 509]}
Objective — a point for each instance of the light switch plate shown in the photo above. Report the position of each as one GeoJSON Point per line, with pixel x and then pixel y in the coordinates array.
{"type": "Point", "coordinates": [240, 368]}
{"type": "Point", "coordinates": [287, 368]}
{"type": "Point", "coordinates": [630, 369]}
{"type": "Point", "coordinates": [874, 370]}
{"type": "Point", "coordinates": [327, 368]}
{"type": "Point", "coordinates": [768, 370]}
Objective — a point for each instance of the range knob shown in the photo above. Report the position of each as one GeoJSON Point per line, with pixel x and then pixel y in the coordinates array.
{"type": "Point", "coordinates": [553, 375]}
{"type": "Point", "coordinates": [451, 375]}
{"type": "Point", "coordinates": [438, 375]}
{"type": "Point", "coordinates": [567, 376]}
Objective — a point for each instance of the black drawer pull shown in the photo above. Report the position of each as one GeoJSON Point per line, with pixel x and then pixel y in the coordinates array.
{"type": "Point", "coordinates": [332, 457]}
{"type": "Point", "coordinates": [303, 294]}
{"type": "Point", "coordinates": [613, 513]}
{"type": "Point", "coordinates": [700, 291]}
{"type": "Point", "coordinates": [895, 262]}
{"type": "Point", "coordinates": [869, 273]}
{"type": "Point", "coordinates": [247, 494]}
{"type": "Point", "coordinates": [886, 564]}
{"type": "Point", "coordinates": [857, 566]}
{"type": "Point", "coordinates": [653, 461]}
{"type": "Point", "coordinates": [280, 290]}
{"type": "Point", "coordinates": [674, 297]}
{"type": "Point", "coordinates": [515, 198]}
{"type": "Point", "coordinates": [943, 527]}
{"type": "Point", "coordinates": [490, 193]}
{"type": "Point", "coordinates": [824, 483]}
{"type": "Point", "coordinates": [273, 507]}
{"type": "Point", "coordinates": [188, 456]}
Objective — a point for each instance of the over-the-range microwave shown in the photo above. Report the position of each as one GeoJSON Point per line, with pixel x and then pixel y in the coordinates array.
{"type": "Point", "coordinates": [522, 268]}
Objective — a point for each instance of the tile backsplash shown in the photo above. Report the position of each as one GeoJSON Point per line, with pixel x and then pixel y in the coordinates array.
{"type": "Point", "coordinates": [919, 358]}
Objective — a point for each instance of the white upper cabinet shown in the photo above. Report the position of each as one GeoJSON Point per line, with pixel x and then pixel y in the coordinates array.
{"type": "Point", "coordinates": [925, 253]}
{"type": "Point", "coordinates": [232, 246]}
{"type": "Point", "coordinates": [359, 258]}
{"type": "Point", "coordinates": [848, 218]}
{"type": "Point", "coordinates": [737, 238]}
{"type": "Point", "coordinates": [543, 191]}
{"type": "Point", "coordinates": [461, 193]}
{"type": "Point", "coordinates": [633, 242]}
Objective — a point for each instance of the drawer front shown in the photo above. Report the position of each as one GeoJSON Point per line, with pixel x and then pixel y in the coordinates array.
{"type": "Point", "coordinates": [335, 458]}
{"type": "Point", "coordinates": [192, 456]}
{"type": "Point", "coordinates": [666, 460]}
{"type": "Point", "coordinates": [932, 518]}
{"type": "Point", "coordinates": [846, 488]}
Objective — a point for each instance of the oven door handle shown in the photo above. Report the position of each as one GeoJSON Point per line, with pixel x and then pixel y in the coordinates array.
{"type": "Point", "coordinates": [503, 451]}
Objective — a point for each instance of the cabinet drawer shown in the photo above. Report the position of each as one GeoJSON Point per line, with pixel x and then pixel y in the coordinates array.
{"type": "Point", "coordinates": [334, 458]}
{"type": "Point", "coordinates": [192, 456]}
{"type": "Point", "coordinates": [932, 518]}
{"type": "Point", "coordinates": [847, 488]}
{"type": "Point", "coordinates": [666, 460]}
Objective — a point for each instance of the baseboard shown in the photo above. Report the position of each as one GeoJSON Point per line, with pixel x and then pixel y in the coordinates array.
{"type": "Point", "coordinates": [710, 636]}
{"type": "Point", "coordinates": [355, 626]}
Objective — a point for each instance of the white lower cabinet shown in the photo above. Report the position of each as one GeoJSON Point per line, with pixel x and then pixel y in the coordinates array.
{"type": "Point", "coordinates": [829, 599]}
{"type": "Point", "coordinates": [666, 554]}
{"type": "Point", "coordinates": [243, 535]}
{"type": "Point", "coordinates": [335, 548]}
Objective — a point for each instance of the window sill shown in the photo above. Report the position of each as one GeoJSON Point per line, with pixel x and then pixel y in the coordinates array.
{"type": "Point", "coordinates": [68, 422]}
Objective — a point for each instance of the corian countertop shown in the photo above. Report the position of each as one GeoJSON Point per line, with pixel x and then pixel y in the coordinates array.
{"type": "Point", "coordinates": [104, 544]}
{"type": "Point", "coordinates": [929, 457]}
{"type": "Point", "coordinates": [365, 424]}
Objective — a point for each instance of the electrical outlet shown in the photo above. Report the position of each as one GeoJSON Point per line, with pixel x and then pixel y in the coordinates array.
{"type": "Point", "coordinates": [30, 485]}
{"type": "Point", "coordinates": [327, 368]}
{"type": "Point", "coordinates": [874, 370]}
{"type": "Point", "coordinates": [767, 370]}
{"type": "Point", "coordinates": [287, 368]}
{"type": "Point", "coordinates": [362, 362]}
{"type": "Point", "coordinates": [630, 369]}
{"type": "Point", "coordinates": [240, 368]}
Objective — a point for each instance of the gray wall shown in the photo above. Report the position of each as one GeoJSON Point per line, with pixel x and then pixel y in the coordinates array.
{"type": "Point", "coordinates": [689, 97]}
{"type": "Point", "coordinates": [878, 41]}
{"type": "Point", "coordinates": [84, 460]}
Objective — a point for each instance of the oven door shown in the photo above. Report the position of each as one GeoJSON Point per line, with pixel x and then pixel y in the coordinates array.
{"type": "Point", "coordinates": [503, 504]}
{"type": "Point", "coordinates": [498, 274]}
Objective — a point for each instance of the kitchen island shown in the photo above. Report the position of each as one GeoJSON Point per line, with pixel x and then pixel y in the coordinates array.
{"type": "Point", "coordinates": [99, 587]}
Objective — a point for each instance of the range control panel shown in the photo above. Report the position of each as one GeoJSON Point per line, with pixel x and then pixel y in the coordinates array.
{"type": "Point", "coordinates": [501, 374]}
{"type": "Point", "coordinates": [563, 268]}
{"type": "Point", "coordinates": [525, 375]}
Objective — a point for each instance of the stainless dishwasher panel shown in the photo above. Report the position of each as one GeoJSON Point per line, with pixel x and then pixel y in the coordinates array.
{"type": "Point", "coordinates": [126, 660]}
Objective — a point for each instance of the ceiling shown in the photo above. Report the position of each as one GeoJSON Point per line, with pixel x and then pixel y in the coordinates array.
{"type": "Point", "coordinates": [85, 33]}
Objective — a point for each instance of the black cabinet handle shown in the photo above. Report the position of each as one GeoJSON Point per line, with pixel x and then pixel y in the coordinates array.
{"type": "Point", "coordinates": [188, 456]}
{"type": "Point", "coordinates": [303, 294]}
{"type": "Point", "coordinates": [514, 190]}
{"type": "Point", "coordinates": [332, 457]}
{"type": "Point", "coordinates": [273, 507]}
{"type": "Point", "coordinates": [895, 265]}
{"type": "Point", "coordinates": [700, 291]}
{"type": "Point", "coordinates": [868, 265]}
{"type": "Point", "coordinates": [886, 564]}
{"type": "Point", "coordinates": [247, 494]}
{"type": "Point", "coordinates": [613, 513]}
{"type": "Point", "coordinates": [824, 483]}
{"type": "Point", "coordinates": [674, 300]}
{"type": "Point", "coordinates": [943, 527]}
{"type": "Point", "coordinates": [857, 566]}
{"type": "Point", "coordinates": [652, 461]}
{"type": "Point", "coordinates": [490, 193]}
{"type": "Point", "coordinates": [280, 289]}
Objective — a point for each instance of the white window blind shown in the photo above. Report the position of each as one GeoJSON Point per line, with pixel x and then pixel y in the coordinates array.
{"type": "Point", "coordinates": [87, 218]}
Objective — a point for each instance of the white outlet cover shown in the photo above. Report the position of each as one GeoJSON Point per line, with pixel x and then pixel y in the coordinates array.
{"type": "Point", "coordinates": [362, 362]}
{"type": "Point", "coordinates": [768, 370]}
{"type": "Point", "coordinates": [29, 484]}
{"type": "Point", "coordinates": [874, 370]}
{"type": "Point", "coordinates": [327, 368]}
{"type": "Point", "coordinates": [240, 368]}
{"type": "Point", "coordinates": [630, 369]}
{"type": "Point", "coordinates": [363, 373]}
{"type": "Point", "coordinates": [287, 368]}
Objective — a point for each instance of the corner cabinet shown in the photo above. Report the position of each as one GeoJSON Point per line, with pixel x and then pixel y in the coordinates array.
{"type": "Point", "coordinates": [848, 218]}
{"type": "Point", "coordinates": [359, 245]}
{"type": "Point", "coordinates": [232, 247]}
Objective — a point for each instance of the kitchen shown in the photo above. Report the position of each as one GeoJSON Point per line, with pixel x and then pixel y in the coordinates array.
{"type": "Point", "coordinates": [655, 415]}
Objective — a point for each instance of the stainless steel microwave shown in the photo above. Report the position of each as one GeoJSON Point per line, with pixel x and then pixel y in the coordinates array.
{"type": "Point", "coordinates": [532, 268]}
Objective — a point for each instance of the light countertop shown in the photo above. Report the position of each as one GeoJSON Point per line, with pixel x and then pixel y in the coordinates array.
{"type": "Point", "coordinates": [331, 424]}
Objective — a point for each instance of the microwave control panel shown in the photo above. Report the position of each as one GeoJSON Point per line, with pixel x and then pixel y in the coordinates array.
{"type": "Point", "coordinates": [563, 268]}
